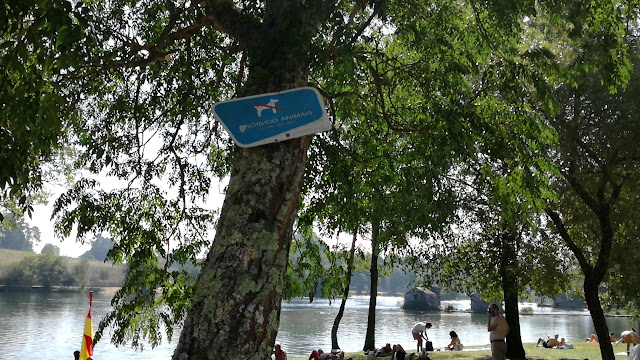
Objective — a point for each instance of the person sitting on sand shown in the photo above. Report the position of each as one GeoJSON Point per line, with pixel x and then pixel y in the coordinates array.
{"type": "Point", "coordinates": [455, 342]}
{"type": "Point", "coordinates": [629, 337]}
{"type": "Point", "coordinates": [550, 342]}
{"type": "Point", "coordinates": [280, 354]}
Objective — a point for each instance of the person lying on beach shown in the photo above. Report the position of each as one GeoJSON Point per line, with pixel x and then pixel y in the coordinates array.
{"type": "Point", "coordinates": [397, 352]}
{"type": "Point", "coordinates": [321, 355]}
{"type": "Point", "coordinates": [549, 343]}
{"type": "Point", "coordinates": [383, 351]}
{"type": "Point", "coordinates": [593, 339]}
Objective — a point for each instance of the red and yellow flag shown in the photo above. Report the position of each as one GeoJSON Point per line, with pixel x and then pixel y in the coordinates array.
{"type": "Point", "coordinates": [87, 339]}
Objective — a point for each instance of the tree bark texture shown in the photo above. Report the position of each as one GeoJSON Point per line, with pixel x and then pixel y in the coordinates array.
{"type": "Point", "coordinates": [370, 337]}
{"type": "Point", "coordinates": [592, 299]}
{"type": "Point", "coordinates": [236, 307]}
{"type": "Point", "coordinates": [235, 312]}
{"type": "Point", "coordinates": [343, 303]}
{"type": "Point", "coordinates": [510, 286]}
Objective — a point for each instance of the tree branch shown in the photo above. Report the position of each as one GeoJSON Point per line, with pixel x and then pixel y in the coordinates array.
{"type": "Point", "coordinates": [581, 191]}
{"type": "Point", "coordinates": [564, 234]}
{"type": "Point", "coordinates": [227, 18]}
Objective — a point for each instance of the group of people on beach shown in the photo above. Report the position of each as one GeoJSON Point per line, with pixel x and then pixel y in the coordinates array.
{"type": "Point", "coordinates": [629, 337]}
{"type": "Point", "coordinates": [419, 333]}
{"type": "Point", "coordinates": [497, 327]}
{"type": "Point", "coordinates": [397, 352]}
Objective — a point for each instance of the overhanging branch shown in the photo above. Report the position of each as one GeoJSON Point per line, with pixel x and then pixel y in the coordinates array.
{"type": "Point", "coordinates": [564, 234]}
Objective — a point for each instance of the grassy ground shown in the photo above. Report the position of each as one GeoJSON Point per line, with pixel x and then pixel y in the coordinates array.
{"type": "Point", "coordinates": [582, 351]}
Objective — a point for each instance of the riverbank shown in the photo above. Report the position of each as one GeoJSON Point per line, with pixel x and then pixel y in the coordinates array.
{"type": "Point", "coordinates": [105, 290]}
{"type": "Point", "coordinates": [580, 351]}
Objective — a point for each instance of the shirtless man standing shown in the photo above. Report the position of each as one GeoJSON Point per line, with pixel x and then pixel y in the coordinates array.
{"type": "Point", "coordinates": [498, 329]}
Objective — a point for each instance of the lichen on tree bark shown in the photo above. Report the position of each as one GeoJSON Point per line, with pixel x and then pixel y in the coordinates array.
{"type": "Point", "coordinates": [252, 244]}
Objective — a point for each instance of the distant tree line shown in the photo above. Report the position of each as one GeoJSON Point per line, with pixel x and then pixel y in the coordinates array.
{"type": "Point", "coordinates": [47, 270]}
{"type": "Point", "coordinates": [16, 234]}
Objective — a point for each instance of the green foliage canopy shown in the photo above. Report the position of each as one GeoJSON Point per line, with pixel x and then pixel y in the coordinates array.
{"type": "Point", "coordinates": [142, 76]}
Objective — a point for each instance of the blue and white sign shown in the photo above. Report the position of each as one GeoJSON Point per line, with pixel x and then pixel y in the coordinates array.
{"type": "Point", "coordinates": [266, 118]}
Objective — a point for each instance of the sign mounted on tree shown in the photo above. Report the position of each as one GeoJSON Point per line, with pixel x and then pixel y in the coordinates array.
{"type": "Point", "coordinates": [266, 118]}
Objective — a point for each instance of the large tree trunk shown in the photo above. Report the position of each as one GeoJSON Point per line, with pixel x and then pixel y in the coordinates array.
{"type": "Point", "coordinates": [236, 307]}
{"type": "Point", "coordinates": [235, 312]}
{"type": "Point", "coordinates": [510, 286]}
{"type": "Point", "coordinates": [370, 337]}
{"type": "Point", "coordinates": [345, 295]}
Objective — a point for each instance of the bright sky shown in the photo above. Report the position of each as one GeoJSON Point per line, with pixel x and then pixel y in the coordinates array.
{"type": "Point", "coordinates": [69, 246]}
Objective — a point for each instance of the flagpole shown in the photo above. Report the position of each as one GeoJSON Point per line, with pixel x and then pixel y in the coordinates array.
{"type": "Point", "coordinates": [87, 338]}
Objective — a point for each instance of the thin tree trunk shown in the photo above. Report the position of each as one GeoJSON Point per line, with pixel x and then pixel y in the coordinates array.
{"type": "Point", "coordinates": [370, 338]}
{"type": "Point", "coordinates": [592, 299]}
{"type": "Point", "coordinates": [345, 295]}
{"type": "Point", "coordinates": [593, 275]}
{"type": "Point", "coordinates": [510, 286]}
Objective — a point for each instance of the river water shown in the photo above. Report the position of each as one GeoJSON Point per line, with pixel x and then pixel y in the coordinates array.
{"type": "Point", "coordinates": [50, 326]}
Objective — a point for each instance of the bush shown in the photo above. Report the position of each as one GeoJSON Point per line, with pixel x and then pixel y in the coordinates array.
{"type": "Point", "coordinates": [526, 311]}
{"type": "Point", "coordinates": [52, 270]}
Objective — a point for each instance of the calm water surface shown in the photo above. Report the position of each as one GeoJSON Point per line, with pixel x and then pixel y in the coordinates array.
{"type": "Point", "coordinates": [50, 326]}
